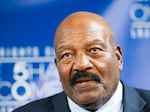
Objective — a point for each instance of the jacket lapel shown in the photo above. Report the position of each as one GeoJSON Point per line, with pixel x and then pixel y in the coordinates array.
{"type": "Point", "coordinates": [132, 101]}
{"type": "Point", "coordinates": [61, 103]}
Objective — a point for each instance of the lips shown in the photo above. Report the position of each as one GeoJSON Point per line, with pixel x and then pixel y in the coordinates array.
{"type": "Point", "coordinates": [82, 80]}
{"type": "Point", "coordinates": [84, 84]}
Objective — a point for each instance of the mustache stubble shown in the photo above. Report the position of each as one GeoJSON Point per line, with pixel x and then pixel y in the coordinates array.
{"type": "Point", "coordinates": [84, 74]}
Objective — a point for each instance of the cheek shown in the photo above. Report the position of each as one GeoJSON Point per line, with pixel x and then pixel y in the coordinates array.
{"type": "Point", "coordinates": [111, 72]}
{"type": "Point", "coordinates": [107, 67]}
{"type": "Point", "coordinates": [64, 72]}
{"type": "Point", "coordinates": [102, 67]}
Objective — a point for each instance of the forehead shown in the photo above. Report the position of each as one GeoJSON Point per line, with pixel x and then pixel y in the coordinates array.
{"type": "Point", "coordinates": [78, 33]}
{"type": "Point", "coordinates": [88, 29]}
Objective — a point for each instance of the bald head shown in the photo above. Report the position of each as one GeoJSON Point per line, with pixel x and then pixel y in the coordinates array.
{"type": "Point", "coordinates": [83, 20]}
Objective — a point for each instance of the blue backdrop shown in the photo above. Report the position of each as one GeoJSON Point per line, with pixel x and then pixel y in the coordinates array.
{"type": "Point", "coordinates": [27, 70]}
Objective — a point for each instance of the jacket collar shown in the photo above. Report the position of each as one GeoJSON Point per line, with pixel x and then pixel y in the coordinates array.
{"type": "Point", "coordinates": [132, 101]}
{"type": "Point", "coordinates": [61, 103]}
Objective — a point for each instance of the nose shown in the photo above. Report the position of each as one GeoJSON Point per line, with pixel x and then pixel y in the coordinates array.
{"type": "Point", "coordinates": [82, 63]}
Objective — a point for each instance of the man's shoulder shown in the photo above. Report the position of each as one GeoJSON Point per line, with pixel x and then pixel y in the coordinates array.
{"type": "Point", "coordinates": [133, 91]}
{"type": "Point", "coordinates": [136, 99]}
{"type": "Point", "coordinates": [145, 94]}
{"type": "Point", "coordinates": [41, 105]}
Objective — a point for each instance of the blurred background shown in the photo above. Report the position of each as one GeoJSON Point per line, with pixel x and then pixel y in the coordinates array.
{"type": "Point", "coordinates": [27, 69]}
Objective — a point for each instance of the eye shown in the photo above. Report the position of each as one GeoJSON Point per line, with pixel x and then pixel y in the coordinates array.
{"type": "Point", "coordinates": [95, 50]}
{"type": "Point", "coordinates": [66, 55]}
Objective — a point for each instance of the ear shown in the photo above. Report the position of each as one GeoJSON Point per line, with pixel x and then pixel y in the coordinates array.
{"type": "Point", "coordinates": [55, 60]}
{"type": "Point", "coordinates": [119, 56]}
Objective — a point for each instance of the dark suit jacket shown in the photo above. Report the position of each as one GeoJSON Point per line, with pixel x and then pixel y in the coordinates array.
{"type": "Point", "coordinates": [134, 100]}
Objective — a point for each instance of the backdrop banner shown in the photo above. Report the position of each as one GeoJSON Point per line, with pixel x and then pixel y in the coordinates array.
{"type": "Point", "coordinates": [27, 68]}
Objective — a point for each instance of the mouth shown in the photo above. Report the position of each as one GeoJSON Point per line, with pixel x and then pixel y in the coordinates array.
{"type": "Point", "coordinates": [83, 80]}
{"type": "Point", "coordinates": [84, 83]}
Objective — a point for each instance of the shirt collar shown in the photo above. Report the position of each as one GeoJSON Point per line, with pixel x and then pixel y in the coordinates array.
{"type": "Point", "coordinates": [114, 104]}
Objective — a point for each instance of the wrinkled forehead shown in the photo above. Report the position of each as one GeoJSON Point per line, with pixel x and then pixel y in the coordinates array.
{"type": "Point", "coordinates": [83, 23]}
{"type": "Point", "coordinates": [90, 28]}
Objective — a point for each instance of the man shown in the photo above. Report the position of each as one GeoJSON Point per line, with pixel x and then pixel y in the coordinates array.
{"type": "Point", "coordinates": [89, 65]}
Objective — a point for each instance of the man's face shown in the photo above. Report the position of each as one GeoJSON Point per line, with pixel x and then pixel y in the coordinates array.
{"type": "Point", "coordinates": [88, 64]}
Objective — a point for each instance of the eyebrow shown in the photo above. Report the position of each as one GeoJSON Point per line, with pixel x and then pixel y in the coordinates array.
{"type": "Point", "coordinates": [97, 41]}
{"type": "Point", "coordinates": [62, 48]}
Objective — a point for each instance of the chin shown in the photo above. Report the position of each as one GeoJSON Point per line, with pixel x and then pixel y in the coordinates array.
{"type": "Point", "coordinates": [91, 99]}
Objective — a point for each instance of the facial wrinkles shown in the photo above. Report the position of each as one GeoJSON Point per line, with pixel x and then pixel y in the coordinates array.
{"type": "Point", "coordinates": [77, 36]}
{"type": "Point", "coordinates": [93, 30]}
{"type": "Point", "coordinates": [74, 35]}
